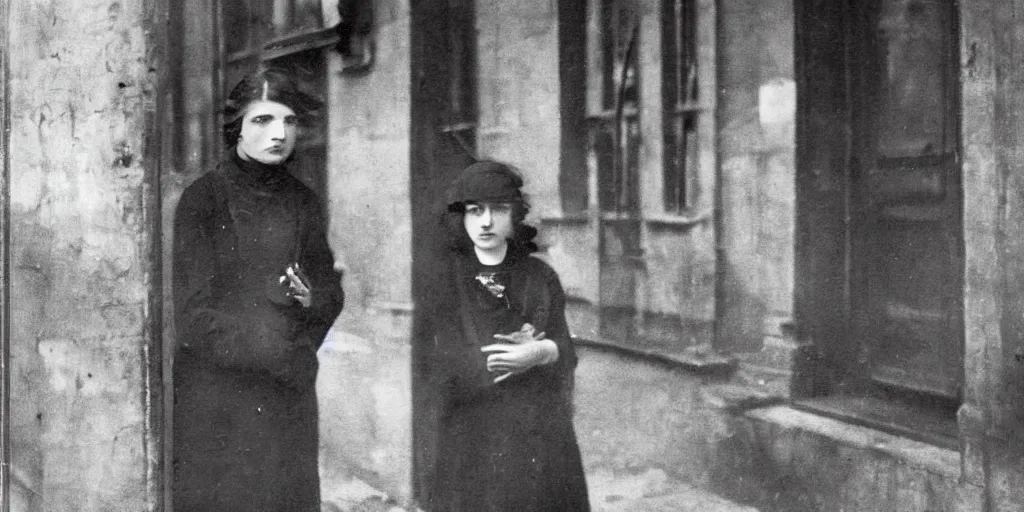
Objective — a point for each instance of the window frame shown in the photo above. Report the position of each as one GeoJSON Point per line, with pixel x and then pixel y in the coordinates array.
{"type": "Point", "coordinates": [844, 382]}
{"type": "Point", "coordinates": [651, 119]}
{"type": "Point", "coordinates": [680, 102]}
{"type": "Point", "coordinates": [612, 285]}
{"type": "Point", "coordinates": [460, 109]}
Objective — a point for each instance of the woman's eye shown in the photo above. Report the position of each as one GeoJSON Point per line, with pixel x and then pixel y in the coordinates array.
{"type": "Point", "coordinates": [261, 119]}
{"type": "Point", "coordinates": [473, 210]}
{"type": "Point", "coordinates": [291, 120]}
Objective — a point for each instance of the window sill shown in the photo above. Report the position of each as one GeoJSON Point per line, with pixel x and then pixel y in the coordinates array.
{"type": "Point", "coordinates": [682, 220]}
{"type": "Point", "coordinates": [656, 220]}
{"type": "Point", "coordinates": [391, 307]}
{"type": "Point", "coordinates": [938, 460]}
{"type": "Point", "coordinates": [569, 218]}
{"type": "Point", "coordinates": [694, 361]}
{"type": "Point", "coordinates": [896, 417]}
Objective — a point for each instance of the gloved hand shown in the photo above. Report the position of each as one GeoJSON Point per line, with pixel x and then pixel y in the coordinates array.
{"type": "Point", "coordinates": [522, 350]}
{"type": "Point", "coordinates": [298, 287]}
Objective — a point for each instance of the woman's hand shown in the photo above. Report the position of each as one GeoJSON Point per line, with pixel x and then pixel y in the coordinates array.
{"type": "Point", "coordinates": [298, 285]}
{"type": "Point", "coordinates": [523, 350]}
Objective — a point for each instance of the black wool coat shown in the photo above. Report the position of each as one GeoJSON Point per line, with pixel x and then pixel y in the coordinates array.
{"type": "Point", "coordinates": [508, 446]}
{"type": "Point", "coordinates": [245, 409]}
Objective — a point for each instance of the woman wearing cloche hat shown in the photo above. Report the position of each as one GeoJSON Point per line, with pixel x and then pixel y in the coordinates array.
{"type": "Point", "coordinates": [500, 359]}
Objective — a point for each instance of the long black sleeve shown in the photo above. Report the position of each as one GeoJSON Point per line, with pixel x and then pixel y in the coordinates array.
{"type": "Point", "coordinates": [318, 262]}
{"type": "Point", "coordinates": [558, 329]}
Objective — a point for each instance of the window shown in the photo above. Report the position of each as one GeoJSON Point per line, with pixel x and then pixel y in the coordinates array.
{"type": "Point", "coordinates": [619, 142]}
{"type": "Point", "coordinates": [460, 108]}
{"type": "Point", "coordinates": [679, 100]}
{"type": "Point", "coordinates": [614, 124]}
{"type": "Point", "coordinates": [637, 172]}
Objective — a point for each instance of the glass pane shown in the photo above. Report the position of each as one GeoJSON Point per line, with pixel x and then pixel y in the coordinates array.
{"type": "Point", "coordinates": [679, 52]}
{"type": "Point", "coordinates": [679, 93]}
{"type": "Point", "coordinates": [236, 25]}
{"type": "Point", "coordinates": [603, 151]}
{"type": "Point", "coordinates": [680, 158]}
{"type": "Point", "coordinates": [307, 15]}
{"type": "Point", "coordinates": [687, 41]}
{"type": "Point", "coordinates": [914, 48]}
{"type": "Point", "coordinates": [617, 163]}
{"type": "Point", "coordinates": [462, 74]}
{"type": "Point", "coordinates": [619, 20]}
{"type": "Point", "coordinates": [630, 149]}
{"type": "Point", "coordinates": [296, 16]}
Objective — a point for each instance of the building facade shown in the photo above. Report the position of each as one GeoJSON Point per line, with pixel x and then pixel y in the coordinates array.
{"type": "Point", "coordinates": [789, 232]}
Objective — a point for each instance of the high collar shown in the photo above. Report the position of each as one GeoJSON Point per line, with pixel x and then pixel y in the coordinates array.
{"type": "Point", "coordinates": [472, 264]}
{"type": "Point", "coordinates": [256, 174]}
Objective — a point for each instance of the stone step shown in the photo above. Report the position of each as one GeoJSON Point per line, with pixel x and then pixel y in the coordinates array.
{"type": "Point", "coordinates": [652, 491]}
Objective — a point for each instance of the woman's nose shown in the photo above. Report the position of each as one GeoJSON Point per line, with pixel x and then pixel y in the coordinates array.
{"type": "Point", "coordinates": [278, 130]}
{"type": "Point", "coordinates": [486, 217]}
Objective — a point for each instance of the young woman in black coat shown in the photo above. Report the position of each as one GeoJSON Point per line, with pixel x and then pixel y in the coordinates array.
{"type": "Point", "coordinates": [500, 361]}
{"type": "Point", "coordinates": [255, 292]}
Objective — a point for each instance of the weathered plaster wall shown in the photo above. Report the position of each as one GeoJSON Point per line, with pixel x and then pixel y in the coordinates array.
{"type": "Point", "coordinates": [983, 274]}
{"type": "Point", "coordinates": [81, 92]}
{"type": "Point", "coordinates": [364, 387]}
{"type": "Point", "coordinates": [757, 169]}
{"type": "Point", "coordinates": [369, 166]}
{"type": "Point", "coordinates": [518, 93]}
{"type": "Point", "coordinates": [991, 418]}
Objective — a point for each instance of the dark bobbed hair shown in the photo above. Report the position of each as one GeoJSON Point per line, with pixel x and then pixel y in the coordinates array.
{"type": "Point", "coordinates": [456, 238]}
{"type": "Point", "coordinates": [265, 84]}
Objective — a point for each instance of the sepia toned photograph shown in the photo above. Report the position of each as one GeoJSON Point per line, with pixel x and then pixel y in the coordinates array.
{"type": "Point", "coordinates": [511, 256]}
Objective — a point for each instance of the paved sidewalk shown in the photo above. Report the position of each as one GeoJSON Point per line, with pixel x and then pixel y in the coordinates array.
{"type": "Point", "coordinates": [358, 496]}
{"type": "Point", "coordinates": [652, 491]}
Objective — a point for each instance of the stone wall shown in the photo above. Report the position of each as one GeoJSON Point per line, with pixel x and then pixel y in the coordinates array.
{"type": "Point", "coordinates": [757, 147]}
{"type": "Point", "coordinates": [661, 425]}
{"type": "Point", "coordinates": [82, 204]}
{"type": "Point", "coordinates": [991, 418]}
{"type": "Point", "coordinates": [364, 387]}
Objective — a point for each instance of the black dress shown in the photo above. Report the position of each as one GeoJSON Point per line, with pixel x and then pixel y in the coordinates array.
{"type": "Point", "coordinates": [509, 446]}
{"type": "Point", "coordinates": [245, 409]}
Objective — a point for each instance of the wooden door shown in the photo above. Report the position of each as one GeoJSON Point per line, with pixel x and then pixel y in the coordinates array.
{"type": "Point", "coordinates": [906, 263]}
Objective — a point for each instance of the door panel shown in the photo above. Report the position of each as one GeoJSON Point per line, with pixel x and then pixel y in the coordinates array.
{"type": "Point", "coordinates": [906, 260]}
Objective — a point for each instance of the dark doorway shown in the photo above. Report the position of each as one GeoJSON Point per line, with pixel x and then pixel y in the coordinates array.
{"type": "Point", "coordinates": [906, 263]}
{"type": "Point", "coordinates": [879, 194]}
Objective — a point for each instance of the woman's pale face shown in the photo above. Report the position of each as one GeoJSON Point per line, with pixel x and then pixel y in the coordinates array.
{"type": "Point", "coordinates": [269, 130]}
{"type": "Point", "coordinates": [489, 225]}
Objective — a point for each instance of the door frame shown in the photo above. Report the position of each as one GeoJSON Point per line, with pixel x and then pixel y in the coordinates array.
{"type": "Point", "coordinates": [5, 260]}
{"type": "Point", "coordinates": [864, 77]}
{"type": "Point", "coordinates": [442, 141]}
